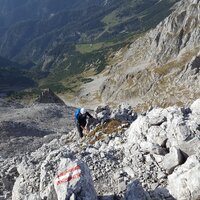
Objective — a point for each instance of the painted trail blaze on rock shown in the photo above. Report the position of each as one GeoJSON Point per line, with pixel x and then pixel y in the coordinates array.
{"type": "Point", "coordinates": [68, 175]}
{"type": "Point", "coordinates": [73, 179]}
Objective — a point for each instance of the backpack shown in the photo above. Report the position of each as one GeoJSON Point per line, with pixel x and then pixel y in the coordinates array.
{"type": "Point", "coordinates": [76, 113]}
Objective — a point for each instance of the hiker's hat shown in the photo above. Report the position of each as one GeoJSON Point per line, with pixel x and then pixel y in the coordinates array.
{"type": "Point", "coordinates": [83, 111]}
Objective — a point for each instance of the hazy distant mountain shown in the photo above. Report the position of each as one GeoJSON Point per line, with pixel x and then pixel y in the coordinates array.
{"type": "Point", "coordinates": [66, 37]}
{"type": "Point", "coordinates": [33, 27]}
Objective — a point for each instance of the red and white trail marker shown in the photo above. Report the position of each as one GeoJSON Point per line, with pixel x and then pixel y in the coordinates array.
{"type": "Point", "coordinates": [68, 175]}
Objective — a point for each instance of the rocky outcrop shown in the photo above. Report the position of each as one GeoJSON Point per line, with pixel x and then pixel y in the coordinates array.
{"type": "Point", "coordinates": [60, 177]}
{"type": "Point", "coordinates": [162, 67]}
{"type": "Point", "coordinates": [153, 157]}
{"type": "Point", "coordinates": [171, 160]}
{"type": "Point", "coordinates": [123, 112]}
{"type": "Point", "coordinates": [48, 96]}
{"type": "Point", "coordinates": [184, 183]}
{"type": "Point", "coordinates": [177, 33]}
{"type": "Point", "coordinates": [153, 135]}
{"type": "Point", "coordinates": [166, 128]}
{"type": "Point", "coordinates": [74, 181]}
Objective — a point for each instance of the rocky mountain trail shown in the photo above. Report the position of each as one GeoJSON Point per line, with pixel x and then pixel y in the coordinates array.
{"type": "Point", "coordinates": [125, 156]}
{"type": "Point", "coordinates": [147, 151]}
{"type": "Point", "coordinates": [32, 125]}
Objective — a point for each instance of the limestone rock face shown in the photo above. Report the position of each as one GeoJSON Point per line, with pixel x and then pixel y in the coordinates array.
{"type": "Point", "coordinates": [48, 171]}
{"type": "Point", "coordinates": [184, 183]}
{"type": "Point", "coordinates": [179, 129]}
{"type": "Point", "coordinates": [26, 184]}
{"type": "Point", "coordinates": [172, 159]}
{"type": "Point", "coordinates": [162, 67]}
{"type": "Point", "coordinates": [54, 178]}
{"type": "Point", "coordinates": [150, 137]}
{"type": "Point", "coordinates": [178, 32]}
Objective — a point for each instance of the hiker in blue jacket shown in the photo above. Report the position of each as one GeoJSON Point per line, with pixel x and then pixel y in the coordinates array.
{"type": "Point", "coordinates": [81, 120]}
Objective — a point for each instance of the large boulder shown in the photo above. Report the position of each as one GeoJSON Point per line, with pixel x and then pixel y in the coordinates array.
{"type": "Point", "coordinates": [73, 181]}
{"type": "Point", "coordinates": [136, 192]}
{"type": "Point", "coordinates": [53, 175]}
{"type": "Point", "coordinates": [172, 159]}
{"type": "Point", "coordinates": [166, 128]}
{"type": "Point", "coordinates": [47, 173]}
{"type": "Point", "coordinates": [156, 116]}
{"type": "Point", "coordinates": [184, 183]}
{"type": "Point", "coordinates": [26, 184]}
{"type": "Point", "coordinates": [156, 134]}
{"type": "Point", "coordinates": [123, 112]}
{"type": "Point", "coordinates": [195, 107]}
{"type": "Point", "coordinates": [177, 128]}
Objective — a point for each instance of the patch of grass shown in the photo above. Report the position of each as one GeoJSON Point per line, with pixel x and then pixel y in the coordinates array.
{"type": "Point", "coordinates": [87, 48]}
{"type": "Point", "coordinates": [178, 63]}
{"type": "Point", "coordinates": [111, 19]}
{"type": "Point", "coordinates": [90, 47]}
{"type": "Point", "coordinates": [101, 131]}
{"type": "Point", "coordinates": [112, 126]}
{"type": "Point", "coordinates": [26, 96]}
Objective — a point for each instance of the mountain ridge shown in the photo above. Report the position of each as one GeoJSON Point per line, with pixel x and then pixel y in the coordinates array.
{"type": "Point", "coordinates": [149, 71]}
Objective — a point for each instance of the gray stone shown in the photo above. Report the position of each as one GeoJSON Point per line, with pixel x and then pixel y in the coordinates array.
{"type": "Point", "coordinates": [172, 159]}
{"type": "Point", "coordinates": [184, 182]}
{"type": "Point", "coordinates": [157, 135]}
{"type": "Point", "coordinates": [129, 171]}
{"type": "Point", "coordinates": [195, 107]}
{"type": "Point", "coordinates": [158, 158]}
{"type": "Point", "coordinates": [152, 148]}
{"type": "Point", "coordinates": [156, 117]}
{"type": "Point", "coordinates": [124, 113]}
{"type": "Point", "coordinates": [73, 178]}
{"type": "Point", "coordinates": [136, 192]}
{"type": "Point", "coordinates": [121, 186]}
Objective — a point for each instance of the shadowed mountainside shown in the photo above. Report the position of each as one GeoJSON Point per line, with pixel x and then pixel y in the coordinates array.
{"type": "Point", "coordinates": [65, 38]}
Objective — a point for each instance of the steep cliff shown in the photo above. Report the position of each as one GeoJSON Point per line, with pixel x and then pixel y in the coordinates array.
{"type": "Point", "coordinates": [162, 67]}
